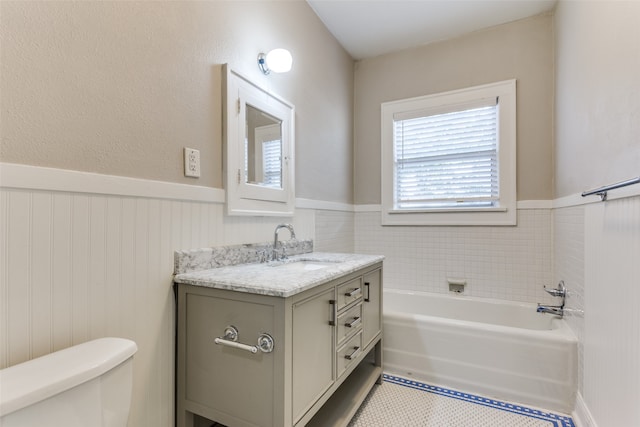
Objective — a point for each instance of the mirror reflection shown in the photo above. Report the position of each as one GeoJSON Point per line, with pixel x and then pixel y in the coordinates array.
{"type": "Point", "coordinates": [263, 149]}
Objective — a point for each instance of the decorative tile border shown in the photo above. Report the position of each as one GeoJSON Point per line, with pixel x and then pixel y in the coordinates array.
{"type": "Point", "coordinates": [555, 419]}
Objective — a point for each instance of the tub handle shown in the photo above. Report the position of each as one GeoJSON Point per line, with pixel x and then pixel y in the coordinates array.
{"type": "Point", "coordinates": [356, 321]}
{"type": "Point", "coordinates": [559, 291]}
{"type": "Point", "coordinates": [354, 354]}
{"type": "Point", "coordinates": [353, 292]}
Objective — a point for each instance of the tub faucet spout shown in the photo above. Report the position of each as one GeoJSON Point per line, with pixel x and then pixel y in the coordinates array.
{"type": "Point", "coordinates": [559, 291]}
{"type": "Point", "coordinates": [558, 310]}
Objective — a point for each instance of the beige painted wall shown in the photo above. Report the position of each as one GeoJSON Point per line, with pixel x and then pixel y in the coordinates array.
{"type": "Point", "coordinates": [598, 94]}
{"type": "Point", "coordinates": [121, 87]}
{"type": "Point", "coordinates": [522, 50]}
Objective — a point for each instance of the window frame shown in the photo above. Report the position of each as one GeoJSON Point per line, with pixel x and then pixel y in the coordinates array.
{"type": "Point", "coordinates": [505, 211]}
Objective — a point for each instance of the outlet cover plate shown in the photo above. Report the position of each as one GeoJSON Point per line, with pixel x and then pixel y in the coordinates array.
{"type": "Point", "coordinates": [191, 162]}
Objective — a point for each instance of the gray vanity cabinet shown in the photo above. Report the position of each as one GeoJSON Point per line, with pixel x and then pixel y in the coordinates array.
{"type": "Point", "coordinates": [214, 373]}
{"type": "Point", "coordinates": [313, 350]}
{"type": "Point", "coordinates": [372, 306]}
{"type": "Point", "coordinates": [326, 357]}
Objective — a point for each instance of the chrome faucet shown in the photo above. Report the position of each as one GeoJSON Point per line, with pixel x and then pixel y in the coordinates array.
{"type": "Point", "coordinates": [558, 310]}
{"type": "Point", "coordinates": [559, 291]}
{"type": "Point", "coordinates": [274, 251]}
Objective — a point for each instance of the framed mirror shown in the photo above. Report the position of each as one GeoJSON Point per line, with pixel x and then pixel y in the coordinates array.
{"type": "Point", "coordinates": [259, 146]}
{"type": "Point", "coordinates": [263, 148]}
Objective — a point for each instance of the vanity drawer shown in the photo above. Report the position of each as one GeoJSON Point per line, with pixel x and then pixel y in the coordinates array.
{"type": "Point", "coordinates": [349, 353]}
{"type": "Point", "coordinates": [349, 322]}
{"type": "Point", "coordinates": [349, 292]}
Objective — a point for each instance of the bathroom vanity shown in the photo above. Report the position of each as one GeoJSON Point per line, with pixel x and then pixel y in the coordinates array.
{"type": "Point", "coordinates": [290, 343]}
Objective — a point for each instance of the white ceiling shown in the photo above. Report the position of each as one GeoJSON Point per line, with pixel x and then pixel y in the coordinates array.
{"type": "Point", "coordinates": [368, 28]}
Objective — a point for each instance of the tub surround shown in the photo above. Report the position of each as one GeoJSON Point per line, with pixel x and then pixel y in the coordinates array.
{"type": "Point", "coordinates": [238, 268]}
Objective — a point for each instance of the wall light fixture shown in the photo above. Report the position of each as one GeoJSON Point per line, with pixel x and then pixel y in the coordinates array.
{"type": "Point", "coordinates": [277, 60]}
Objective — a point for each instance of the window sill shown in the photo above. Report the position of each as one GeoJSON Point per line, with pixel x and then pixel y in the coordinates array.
{"type": "Point", "coordinates": [444, 210]}
{"type": "Point", "coordinates": [446, 217]}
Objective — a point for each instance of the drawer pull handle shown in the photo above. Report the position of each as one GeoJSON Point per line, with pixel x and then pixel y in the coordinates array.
{"type": "Point", "coordinates": [353, 292]}
{"type": "Point", "coordinates": [334, 312]}
{"type": "Point", "coordinates": [353, 355]}
{"type": "Point", "coordinates": [355, 322]}
{"type": "Point", "coordinates": [368, 297]}
{"type": "Point", "coordinates": [230, 339]}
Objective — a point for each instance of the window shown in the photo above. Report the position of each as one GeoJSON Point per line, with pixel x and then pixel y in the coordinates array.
{"type": "Point", "coordinates": [271, 161]}
{"type": "Point", "coordinates": [449, 159]}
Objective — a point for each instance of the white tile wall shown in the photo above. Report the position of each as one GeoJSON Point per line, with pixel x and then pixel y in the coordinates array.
{"type": "Point", "coordinates": [568, 230]}
{"type": "Point", "coordinates": [334, 231]}
{"type": "Point", "coordinates": [510, 263]}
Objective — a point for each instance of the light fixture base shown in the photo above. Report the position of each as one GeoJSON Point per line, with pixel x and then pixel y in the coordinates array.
{"type": "Point", "coordinates": [277, 61]}
{"type": "Point", "coordinates": [262, 63]}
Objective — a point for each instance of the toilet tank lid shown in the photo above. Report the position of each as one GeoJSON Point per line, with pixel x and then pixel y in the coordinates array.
{"type": "Point", "coordinates": [38, 379]}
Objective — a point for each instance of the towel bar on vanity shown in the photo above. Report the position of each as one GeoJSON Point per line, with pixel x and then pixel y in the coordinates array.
{"type": "Point", "coordinates": [230, 339]}
{"type": "Point", "coordinates": [602, 191]}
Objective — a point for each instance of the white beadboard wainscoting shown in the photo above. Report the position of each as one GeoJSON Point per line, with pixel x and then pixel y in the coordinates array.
{"type": "Point", "coordinates": [84, 256]}
{"type": "Point", "coordinates": [597, 248]}
{"type": "Point", "coordinates": [612, 312]}
{"type": "Point", "coordinates": [78, 265]}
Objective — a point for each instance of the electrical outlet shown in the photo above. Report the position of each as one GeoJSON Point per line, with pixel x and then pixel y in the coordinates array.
{"type": "Point", "coordinates": [191, 162]}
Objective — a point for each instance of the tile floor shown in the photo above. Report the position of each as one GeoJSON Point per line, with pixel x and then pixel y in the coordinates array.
{"type": "Point", "coordinates": [401, 402]}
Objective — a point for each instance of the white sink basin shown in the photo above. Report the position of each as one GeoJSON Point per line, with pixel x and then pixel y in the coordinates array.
{"type": "Point", "coordinates": [303, 265]}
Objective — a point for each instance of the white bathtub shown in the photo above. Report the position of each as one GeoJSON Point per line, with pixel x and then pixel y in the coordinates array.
{"type": "Point", "coordinates": [495, 348]}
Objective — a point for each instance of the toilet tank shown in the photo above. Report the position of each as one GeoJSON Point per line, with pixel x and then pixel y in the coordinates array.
{"type": "Point", "coordinates": [85, 385]}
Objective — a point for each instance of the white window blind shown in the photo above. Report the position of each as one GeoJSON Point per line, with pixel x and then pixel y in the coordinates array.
{"type": "Point", "coordinates": [272, 163]}
{"type": "Point", "coordinates": [446, 160]}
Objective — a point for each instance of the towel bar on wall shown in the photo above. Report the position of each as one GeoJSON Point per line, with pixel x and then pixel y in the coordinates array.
{"type": "Point", "coordinates": [602, 191]}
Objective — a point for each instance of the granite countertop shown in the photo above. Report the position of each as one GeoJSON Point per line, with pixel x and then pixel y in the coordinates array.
{"type": "Point", "coordinates": [282, 278]}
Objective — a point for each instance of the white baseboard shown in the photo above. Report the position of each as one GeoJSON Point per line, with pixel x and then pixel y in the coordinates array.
{"type": "Point", "coordinates": [581, 415]}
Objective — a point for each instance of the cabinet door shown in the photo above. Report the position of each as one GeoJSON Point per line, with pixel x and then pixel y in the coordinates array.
{"type": "Point", "coordinates": [228, 380]}
{"type": "Point", "coordinates": [372, 306]}
{"type": "Point", "coordinates": [313, 350]}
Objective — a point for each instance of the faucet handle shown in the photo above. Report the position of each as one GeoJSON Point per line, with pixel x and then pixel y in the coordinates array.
{"type": "Point", "coordinates": [559, 291]}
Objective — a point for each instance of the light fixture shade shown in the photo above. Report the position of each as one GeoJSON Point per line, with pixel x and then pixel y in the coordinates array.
{"type": "Point", "coordinates": [279, 60]}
